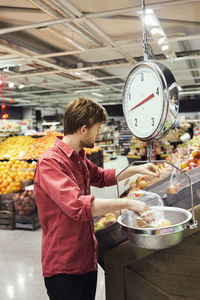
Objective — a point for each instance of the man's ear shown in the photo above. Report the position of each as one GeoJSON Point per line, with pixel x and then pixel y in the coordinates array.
{"type": "Point", "coordinates": [82, 129]}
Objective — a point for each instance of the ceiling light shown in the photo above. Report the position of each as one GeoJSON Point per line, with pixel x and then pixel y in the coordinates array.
{"type": "Point", "coordinates": [161, 40]}
{"type": "Point", "coordinates": [149, 11]}
{"type": "Point", "coordinates": [1, 82]}
{"type": "Point", "coordinates": [21, 86]}
{"type": "Point", "coordinates": [150, 21]}
{"type": "Point", "coordinates": [77, 73]}
{"type": "Point", "coordinates": [189, 93]}
{"type": "Point", "coordinates": [85, 91]}
{"type": "Point", "coordinates": [180, 88]}
{"type": "Point", "coordinates": [165, 47]}
{"type": "Point", "coordinates": [11, 84]}
{"type": "Point", "coordinates": [154, 30]}
{"type": "Point", "coordinates": [97, 94]}
{"type": "Point", "coordinates": [74, 43]}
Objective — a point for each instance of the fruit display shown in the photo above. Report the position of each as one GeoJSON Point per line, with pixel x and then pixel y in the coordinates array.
{"type": "Point", "coordinates": [187, 155]}
{"type": "Point", "coordinates": [39, 146]}
{"type": "Point", "coordinates": [24, 202]}
{"type": "Point", "coordinates": [143, 181]}
{"type": "Point", "coordinates": [45, 132]}
{"type": "Point", "coordinates": [6, 125]}
{"type": "Point", "coordinates": [14, 146]}
{"type": "Point", "coordinates": [89, 151]}
{"type": "Point", "coordinates": [12, 173]}
{"type": "Point", "coordinates": [106, 220]}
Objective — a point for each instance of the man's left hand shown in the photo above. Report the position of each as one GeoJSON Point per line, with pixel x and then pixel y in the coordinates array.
{"type": "Point", "coordinates": [148, 169]}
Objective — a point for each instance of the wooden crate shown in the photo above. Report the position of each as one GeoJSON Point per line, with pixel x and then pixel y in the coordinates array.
{"type": "Point", "coordinates": [30, 222]}
{"type": "Point", "coordinates": [7, 215]}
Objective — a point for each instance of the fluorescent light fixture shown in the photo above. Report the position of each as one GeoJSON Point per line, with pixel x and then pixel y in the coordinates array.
{"type": "Point", "coordinates": [21, 86]}
{"type": "Point", "coordinates": [150, 20]}
{"type": "Point", "coordinates": [149, 11]}
{"type": "Point", "coordinates": [1, 82]}
{"type": "Point", "coordinates": [50, 123]}
{"type": "Point", "coordinates": [74, 44]}
{"type": "Point", "coordinates": [85, 91]}
{"type": "Point", "coordinates": [154, 30]}
{"type": "Point", "coordinates": [190, 93]}
{"type": "Point", "coordinates": [77, 73]}
{"type": "Point", "coordinates": [90, 78]}
{"type": "Point", "coordinates": [11, 84]}
{"type": "Point", "coordinates": [161, 40]}
{"type": "Point", "coordinates": [97, 94]}
{"type": "Point", "coordinates": [180, 88]}
{"type": "Point", "coordinates": [165, 47]}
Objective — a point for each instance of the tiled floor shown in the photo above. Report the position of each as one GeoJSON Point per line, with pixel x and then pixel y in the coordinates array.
{"type": "Point", "coordinates": [20, 268]}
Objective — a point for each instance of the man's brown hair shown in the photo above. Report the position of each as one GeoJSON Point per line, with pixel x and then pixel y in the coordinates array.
{"type": "Point", "coordinates": [83, 111]}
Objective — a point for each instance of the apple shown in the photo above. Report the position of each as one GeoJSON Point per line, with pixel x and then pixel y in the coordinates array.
{"type": "Point", "coordinates": [98, 226]}
{"type": "Point", "coordinates": [186, 169]}
{"type": "Point", "coordinates": [196, 154]}
{"type": "Point", "coordinates": [184, 165]}
{"type": "Point", "coordinates": [108, 215]}
{"type": "Point", "coordinates": [165, 223]}
{"type": "Point", "coordinates": [133, 184]}
{"type": "Point", "coordinates": [140, 178]}
{"type": "Point", "coordinates": [102, 220]}
{"type": "Point", "coordinates": [138, 194]}
{"type": "Point", "coordinates": [171, 190]}
{"type": "Point", "coordinates": [142, 184]}
{"type": "Point", "coordinates": [190, 160]}
{"type": "Point", "coordinates": [110, 221]}
{"type": "Point", "coordinates": [179, 186]}
{"type": "Point", "coordinates": [192, 165]}
{"type": "Point", "coordinates": [198, 162]}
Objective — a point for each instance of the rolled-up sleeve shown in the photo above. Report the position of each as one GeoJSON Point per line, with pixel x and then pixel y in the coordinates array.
{"type": "Point", "coordinates": [62, 190]}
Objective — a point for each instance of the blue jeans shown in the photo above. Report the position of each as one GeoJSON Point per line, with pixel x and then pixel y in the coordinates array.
{"type": "Point", "coordinates": [71, 287]}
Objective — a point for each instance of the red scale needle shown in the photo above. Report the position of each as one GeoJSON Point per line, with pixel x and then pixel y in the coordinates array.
{"type": "Point", "coordinates": [143, 101]}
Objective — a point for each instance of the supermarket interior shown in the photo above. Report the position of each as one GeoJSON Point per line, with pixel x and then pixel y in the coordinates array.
{"type": "Point", "coordinates": [140, 60]}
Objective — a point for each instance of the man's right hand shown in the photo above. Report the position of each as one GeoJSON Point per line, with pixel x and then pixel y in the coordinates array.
{"type": "Point", "coordinates": [138, 207]}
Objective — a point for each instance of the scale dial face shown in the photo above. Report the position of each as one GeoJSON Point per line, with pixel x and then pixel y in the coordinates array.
{"type": "Point", "coordinates": [143, 102]}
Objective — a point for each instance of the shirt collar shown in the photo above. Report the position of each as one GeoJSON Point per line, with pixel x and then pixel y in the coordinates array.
{"type": "Point", "coordinates": [67, 149]}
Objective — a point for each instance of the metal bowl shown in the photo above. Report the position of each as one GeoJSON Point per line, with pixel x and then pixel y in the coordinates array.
{"type": "Point", "coordinates": [158, 238]}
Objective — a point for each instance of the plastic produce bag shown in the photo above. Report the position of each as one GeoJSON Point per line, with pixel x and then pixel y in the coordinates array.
{"type": "Point", "coordinates": [152, 218]}
{"type": "Point", "coordinates": [177, 180]}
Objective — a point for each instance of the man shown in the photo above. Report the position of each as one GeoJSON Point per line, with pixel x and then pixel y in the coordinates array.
{"type": "Point", "coordinates": [66, 208]}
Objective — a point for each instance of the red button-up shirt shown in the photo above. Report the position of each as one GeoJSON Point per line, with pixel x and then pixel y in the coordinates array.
{"type": "Point", "coordinates": [62, 188]}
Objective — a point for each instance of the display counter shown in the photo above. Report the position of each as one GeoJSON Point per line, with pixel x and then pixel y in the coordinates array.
{"type": "Point", "coordinates": [141, 274]}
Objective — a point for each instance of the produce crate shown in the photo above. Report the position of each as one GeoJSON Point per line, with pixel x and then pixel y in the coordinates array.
{"type": "Point", "coordinates": [30, 222]}
{"type": "Point", "coordinates": [7, 215]}
{"type": "Point", "coordinates": [24, 202]}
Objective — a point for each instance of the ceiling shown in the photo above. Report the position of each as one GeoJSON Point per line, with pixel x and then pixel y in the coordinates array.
{"type": "Point", "coordinates": [60, 50]}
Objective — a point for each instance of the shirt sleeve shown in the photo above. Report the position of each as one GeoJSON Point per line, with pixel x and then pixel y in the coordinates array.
{"type": "Point", "coordinates": [100, 177]}
{"type": "Point", "coordinates": [63, 190]}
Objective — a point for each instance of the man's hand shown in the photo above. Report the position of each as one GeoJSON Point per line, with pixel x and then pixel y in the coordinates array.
{"type": "Point", "coordinates": [148, 169]}
{"type": "Point", "coordinates": [138, 207]}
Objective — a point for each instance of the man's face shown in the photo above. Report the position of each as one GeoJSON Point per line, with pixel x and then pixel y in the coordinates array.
{"type": "Point", "coordinates": [89, 137]}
